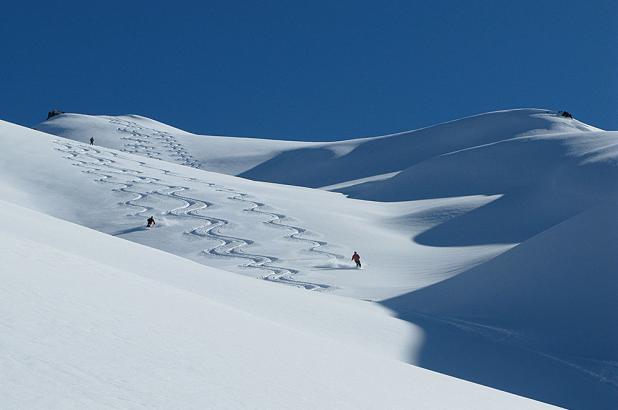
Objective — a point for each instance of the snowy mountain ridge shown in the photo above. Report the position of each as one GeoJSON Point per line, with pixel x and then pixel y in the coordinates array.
{"type": "Point", "coordinates": [312, 164]}
{"type": "Point", "coordinates": [478, 233]}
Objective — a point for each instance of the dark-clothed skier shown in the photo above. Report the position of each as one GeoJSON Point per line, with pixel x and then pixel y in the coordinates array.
{"type": "Point", "coordinates": [91, 140]}
{"type": "Point", "coordinates": [356, 258]}
{"type": "Point", "coordinates": [150, 221]}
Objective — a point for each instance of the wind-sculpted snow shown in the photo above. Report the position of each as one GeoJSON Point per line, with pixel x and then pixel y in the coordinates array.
{"type": "Point", "coordinates": [93, 321]}
{"type": "Point", "coordinates": [484, 233]}
{"type": "Point", "coordinates": [130, 178]}
{"type": "Point", "coordinates": [314, 164]}
{"type": "Point", "coordinates": [552, 298]}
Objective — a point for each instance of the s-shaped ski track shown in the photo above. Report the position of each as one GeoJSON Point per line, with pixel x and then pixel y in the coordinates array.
{"type": "Point", "coordinates": [128, 178]}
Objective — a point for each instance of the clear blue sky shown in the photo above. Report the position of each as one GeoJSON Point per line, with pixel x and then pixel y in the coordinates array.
{"type": "Point", "coordinates": [308, 69]}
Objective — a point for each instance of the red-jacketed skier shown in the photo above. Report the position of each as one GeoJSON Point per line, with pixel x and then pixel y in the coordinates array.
{"type": "Point", "coordinates": [356, 258]}
{"type": "Point", "coordinates": [150, 221]}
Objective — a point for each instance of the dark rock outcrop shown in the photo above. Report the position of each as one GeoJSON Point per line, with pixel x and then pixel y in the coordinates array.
{"type": "Point", "coordinates": [53, 113]}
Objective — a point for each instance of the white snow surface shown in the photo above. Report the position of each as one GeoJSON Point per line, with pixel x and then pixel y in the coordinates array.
{"type": "Point", "coordinates": [141, 135]}
{"type": "Point", "coordinates": [312, 164]}
{"type": "Point", "coordinates": [300, 236]}
{"type": "Point", "coordinates": [493, 237]}
{"type": "Point", "coordinates": [92, 321]}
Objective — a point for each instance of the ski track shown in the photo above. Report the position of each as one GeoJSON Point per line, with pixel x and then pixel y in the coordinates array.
{"type": "Point", "coordinates": [605, 374]}
{"type": "Point", "coordinates": [139, 140]}
{"type": "Point", "coordinates": [94, 161]}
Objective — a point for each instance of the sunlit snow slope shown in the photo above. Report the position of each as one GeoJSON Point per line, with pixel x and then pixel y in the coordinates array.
{"type": "Point", "coordinates": [299, 236]}
{"type": "Point", "coordinates": [312, 164]}
{"type": "Point", "coordinates": [92, 321]}
{"type": "Point", "coordinates": [143, 136]}
{"type": "Point", "coordinates": [492, 234]}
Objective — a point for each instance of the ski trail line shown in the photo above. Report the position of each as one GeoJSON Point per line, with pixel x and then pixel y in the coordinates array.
{"type": "Point", "coordinates": [127, 180]}
{"type": "Point", "coordinates": [146, 142]}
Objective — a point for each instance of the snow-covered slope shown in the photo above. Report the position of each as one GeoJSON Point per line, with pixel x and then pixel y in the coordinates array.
{"type": "Point", "coordinates": [293, 235]}
{"type": "Point", "coordinates": [554, 295]}
{"type": "Point", "coordinates": [304, 163]}
{"type": "Point", "coordinates": [568, 268]}
{"type": "Point", "coordinates": [141, 135]}
{"type": "Point", "coordinates": [91, 321]}
{"type": "Point", "coordinates": [497, 252]}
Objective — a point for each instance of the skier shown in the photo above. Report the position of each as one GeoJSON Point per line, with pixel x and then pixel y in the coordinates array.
{"type": "Point", "coordinates": [356, 258]}
{"type": "Point", "coordinates": [150, 221]}
{"type": "Point", "coordinates": [91, 140]}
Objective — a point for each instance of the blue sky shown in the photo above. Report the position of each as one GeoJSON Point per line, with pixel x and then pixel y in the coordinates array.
{"type": "Point", "coordinates": [308, 70]}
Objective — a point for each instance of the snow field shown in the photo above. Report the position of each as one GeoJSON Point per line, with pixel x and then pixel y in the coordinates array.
{"type": "Point", "coordinates": [490, 236]}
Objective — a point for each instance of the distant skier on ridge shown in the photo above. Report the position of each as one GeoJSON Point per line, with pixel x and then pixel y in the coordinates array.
{"type": "Point", "coordinates": [151, 222]}
{"type": "Point", "coordinates": [91, 140]}
{"type": "Point", "coordinates": [356, 258]}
